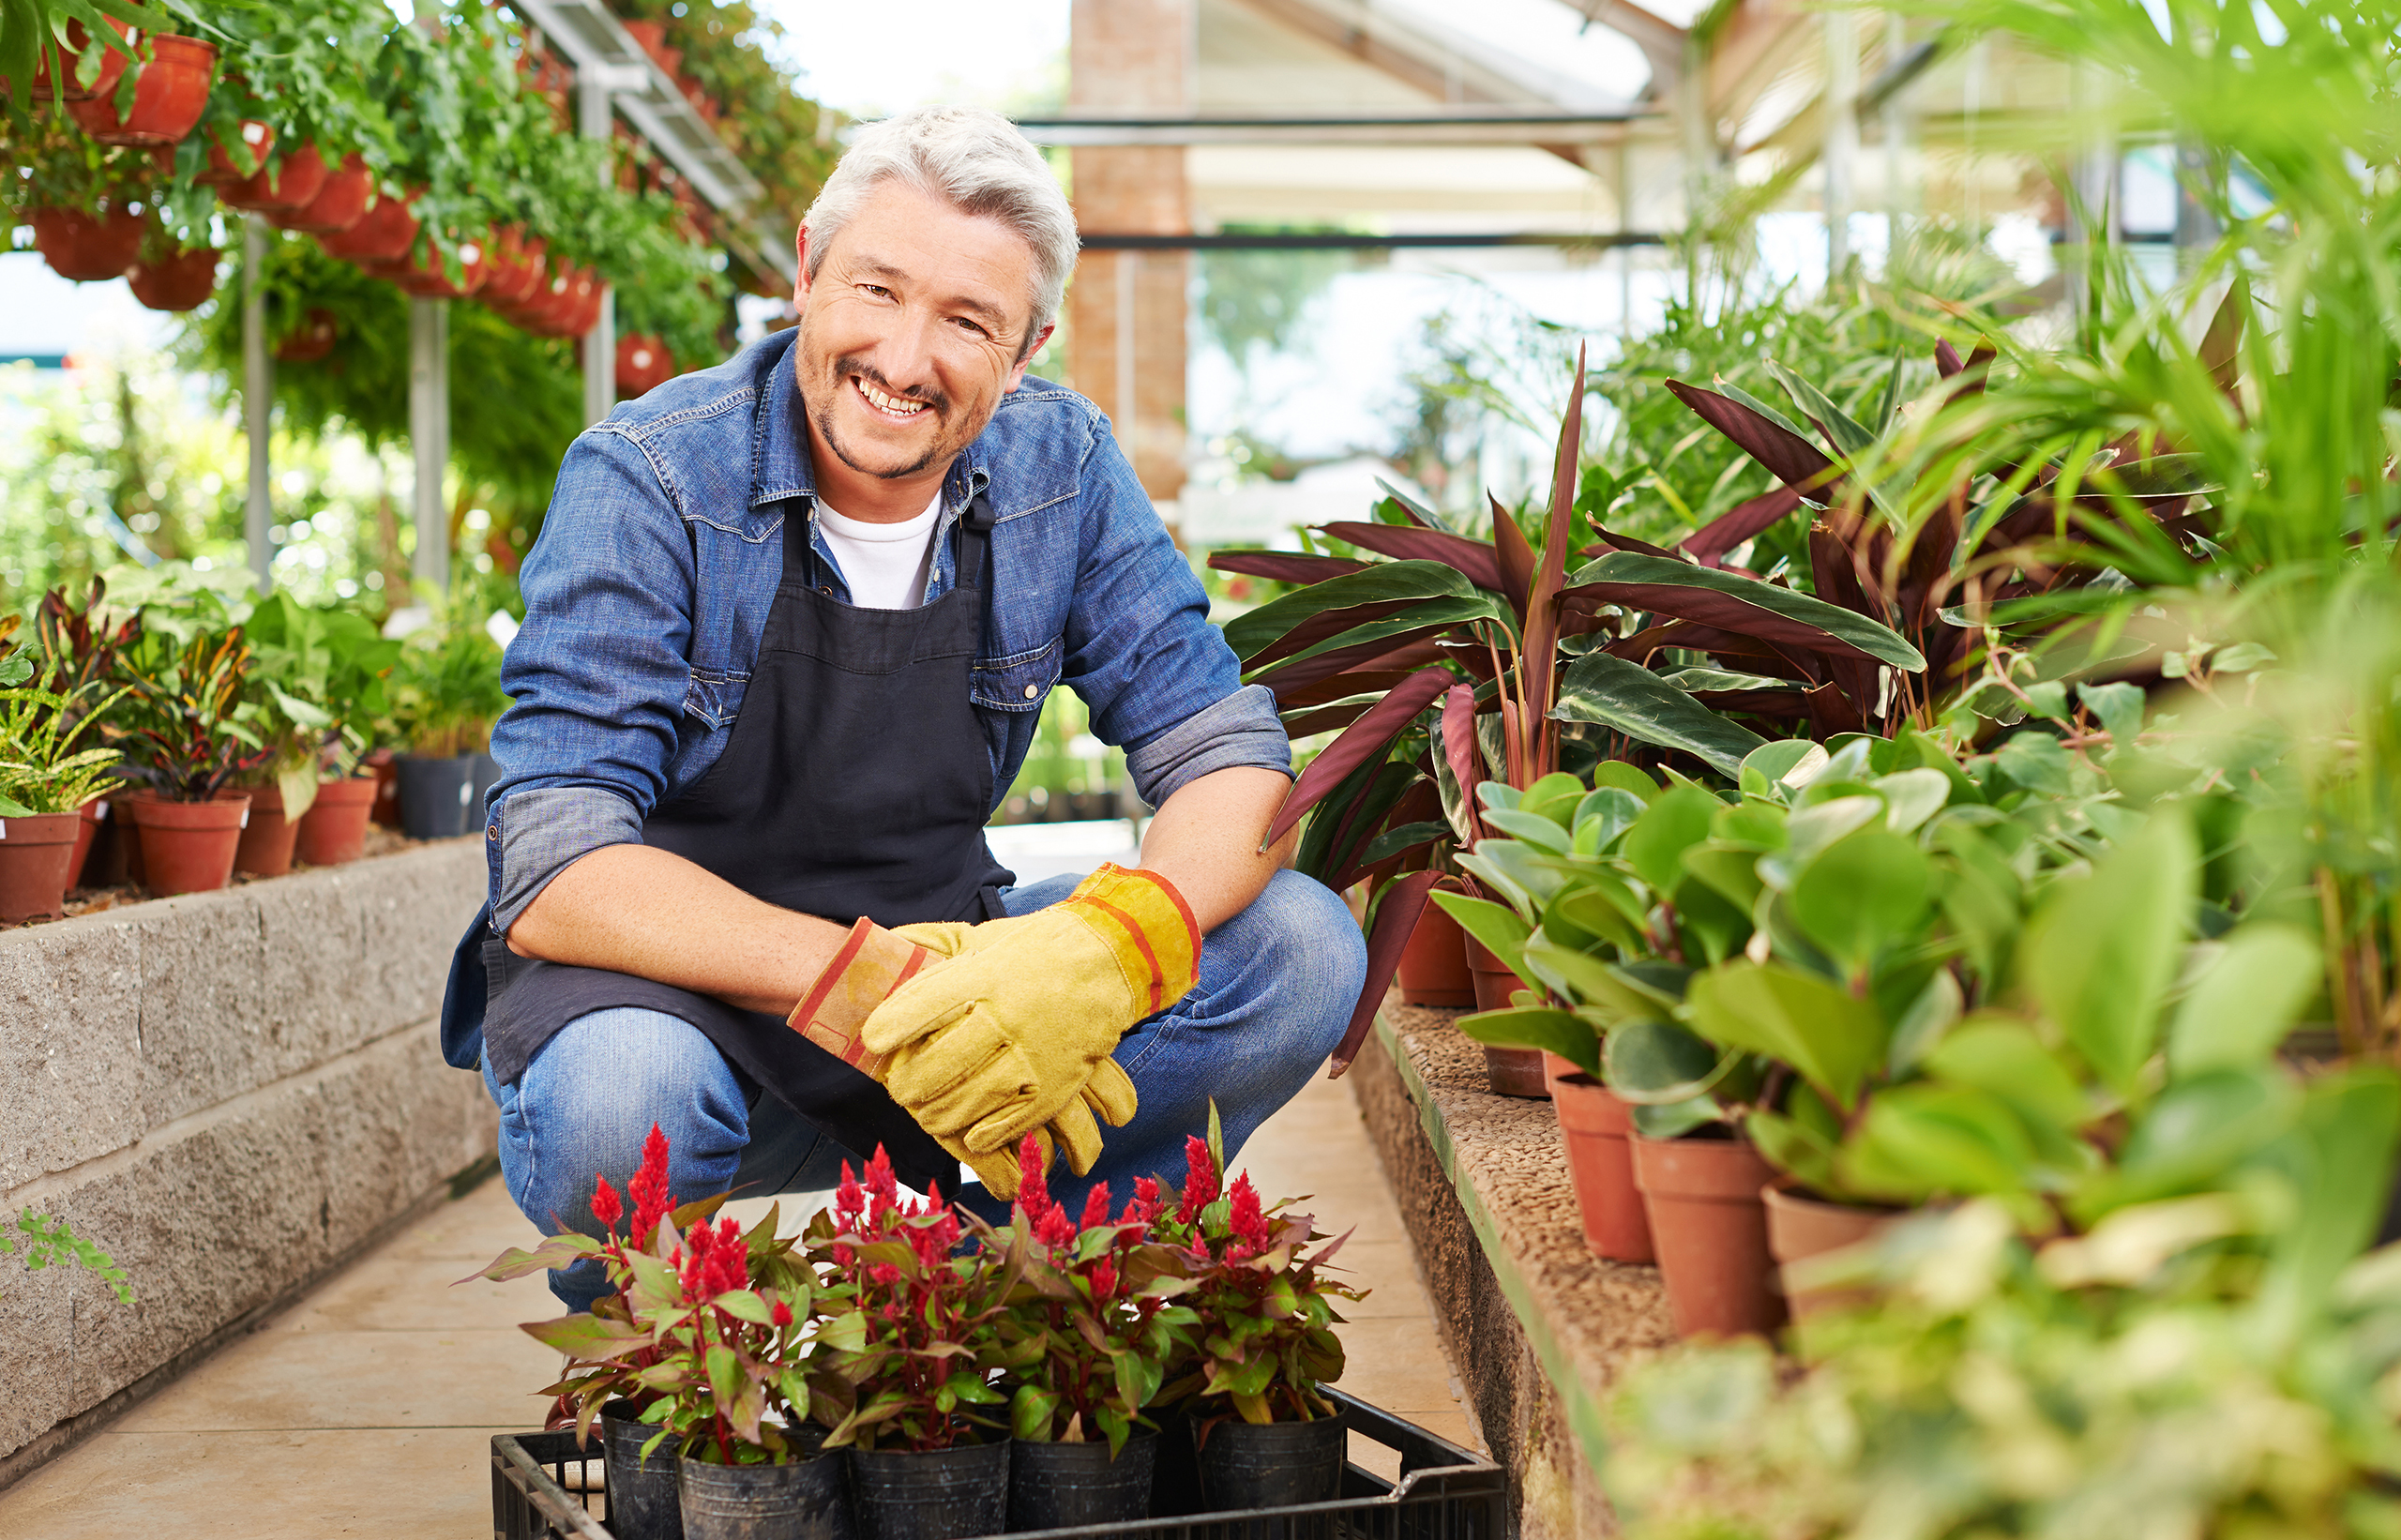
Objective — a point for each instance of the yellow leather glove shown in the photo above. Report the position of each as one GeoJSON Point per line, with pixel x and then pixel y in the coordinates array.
{"type": "Point", "coordinates": [1014, 1032]}
{"type": "Point", "coordinates": [873, 961]}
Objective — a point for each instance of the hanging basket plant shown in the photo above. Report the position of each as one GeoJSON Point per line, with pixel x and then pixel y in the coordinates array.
{"type": "Point", "coordinates": [315, 337]}
{"type": "Point", "coordinates": [89, 245]}
{"type": "Point", "coordinates": [383, 233]}
{"type": "Point", "coordinates": [171, 276]}
{"type": "Point", "coordinates": [241, 157]}
{"type": "Point", "coordinates": [342, 200]}
{"type": "Point", "coordinates": [644, 364]}
{"type": "Point", "coordinates": [156, 101]}
{"type": "Point", "coordinates": [285, 182]}
{"type": "Point", "coordinates": [89, 63]}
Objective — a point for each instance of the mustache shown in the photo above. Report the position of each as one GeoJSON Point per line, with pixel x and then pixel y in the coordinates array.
{"type": "Point", "coordinates": [865, 371]}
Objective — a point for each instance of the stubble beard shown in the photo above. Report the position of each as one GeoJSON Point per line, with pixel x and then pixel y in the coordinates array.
{"type": "Point", "coordinates": [836, 377]}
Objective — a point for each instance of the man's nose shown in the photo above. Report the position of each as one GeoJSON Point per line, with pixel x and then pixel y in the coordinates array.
{"type": "Point", "coordinates": [905, 351]}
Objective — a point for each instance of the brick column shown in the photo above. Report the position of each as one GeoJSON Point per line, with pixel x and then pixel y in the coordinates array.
{"type": "Point", "coordinates": [1138, 57]}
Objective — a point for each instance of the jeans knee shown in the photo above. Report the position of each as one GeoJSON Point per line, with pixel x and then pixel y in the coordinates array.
{"type": "Point", "coordinates": [1302, 933]}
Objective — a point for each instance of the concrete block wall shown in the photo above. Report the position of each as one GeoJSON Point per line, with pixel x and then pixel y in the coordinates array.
{"type": "Point", "coordinates": [230, 1092]}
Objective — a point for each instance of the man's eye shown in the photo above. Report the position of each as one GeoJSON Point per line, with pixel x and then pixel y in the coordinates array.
{"type": "Point", "coordinates": [878, 289]}
{"type": "Point", "coordinates": [973, 326]}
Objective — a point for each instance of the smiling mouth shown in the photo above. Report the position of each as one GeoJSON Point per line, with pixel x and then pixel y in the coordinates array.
{"type": "Point", "coordinates": [896, 408]}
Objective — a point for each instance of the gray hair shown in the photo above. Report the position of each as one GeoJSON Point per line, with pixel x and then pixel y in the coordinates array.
{"type": "Point", "coordinates": [973, 159]}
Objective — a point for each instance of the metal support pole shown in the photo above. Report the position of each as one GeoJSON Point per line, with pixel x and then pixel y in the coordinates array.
{"type": "Point", "coordinates": [430, 436]}
{"type": "Point", "coordinates": [258, 401]}
{"type": "Point", "coordinates": [1129, 276]}
{"type": "Point", "coordinates": [593, 117]}
{"type": "Point", "coordinates": [1842, 136]}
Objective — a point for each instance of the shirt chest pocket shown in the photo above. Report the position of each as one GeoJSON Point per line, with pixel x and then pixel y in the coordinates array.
{"type": "Point", "coordinates": [714, 699]}
{"type": "Point", "coordinates": [1017, 683]}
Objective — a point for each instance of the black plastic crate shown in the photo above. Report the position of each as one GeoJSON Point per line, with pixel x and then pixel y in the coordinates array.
{"type": "Point", "coordinates": [1444, 1493]}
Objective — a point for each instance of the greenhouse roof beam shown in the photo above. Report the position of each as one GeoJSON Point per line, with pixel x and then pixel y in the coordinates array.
{"type": "Point", "coordinates": [1450, 127]}
{"type": "Point", "coordinates": [594, 43]}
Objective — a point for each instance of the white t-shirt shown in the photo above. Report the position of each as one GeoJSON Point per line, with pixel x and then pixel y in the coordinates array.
{"type": "Point", "coordinates": [885, 564]}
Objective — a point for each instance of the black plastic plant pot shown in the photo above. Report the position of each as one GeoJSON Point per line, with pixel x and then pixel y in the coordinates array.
{"type": "Point", "coordinates": [487, 771]}
{"type": "Point", "coordinates": [643, 1500]}
{"type": "Point", "coordinates": [1272, 1465]}
{"type": "Point", "coordinates": [1068, 1486]}
{"type": "Point", "coordinates": [435, 795]}
{"type": "Point", "coordinates": [806, 1500]}
{"type": "Point", "coordinates": [939, 1494]}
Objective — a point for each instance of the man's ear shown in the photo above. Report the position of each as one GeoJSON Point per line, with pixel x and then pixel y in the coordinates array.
{"type": "Point", "coordinates": [1025, 359]}
{"type": "Point", "coordinates": [800, 256]}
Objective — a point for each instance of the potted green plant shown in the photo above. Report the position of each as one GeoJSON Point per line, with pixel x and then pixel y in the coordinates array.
{"type": "Point", "coordinates": [1086, 1338]}
{"type": "Point", "coordinates": [912, 1337]}
{"type": "Point", "coordinates": [188, 731]}
{"type": "Point", "coordinates": [1264, 1344]}
{"type": "Point", "coordinates": [45, 780]}
{"type": "Point", "coordinates": [314, 673]}
{"type": "Point", "coordinates": [78, 650]}
{"type": "Point", "coordinates": [447, 695]}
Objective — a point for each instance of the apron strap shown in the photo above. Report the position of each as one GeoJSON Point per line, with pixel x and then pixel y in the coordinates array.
{"type": "Point", "coordinates": [973, 530]}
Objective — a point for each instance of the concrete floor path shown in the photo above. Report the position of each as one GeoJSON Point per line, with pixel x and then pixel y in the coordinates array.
{"type": "Point", "coordinates": [368, 1407]}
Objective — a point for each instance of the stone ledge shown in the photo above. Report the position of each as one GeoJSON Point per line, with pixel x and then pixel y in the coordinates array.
{"type": "Point", "coordinates": [1537, 1327]}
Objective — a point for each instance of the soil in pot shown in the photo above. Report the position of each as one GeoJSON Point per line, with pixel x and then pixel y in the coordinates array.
{"type": "Point", "coordinates": [34, 854]}
{"type": "Point", "coordinates": [1433, 966]}
{"type": "Point", "coordinates": [269, 839]}
{"type": "Point", "coordinates": [939, 1494]}
{"type": "Point", "coordinates": [188, 847]}
{"type": "Point", "coordinates": [170, 93]}
{"type": "Point", "coordinates": [643, 1500]}
{"type": "Point", "coordinates": [804, 1500]}
{"type": "Point", "coordinates": [435, 795]}
{"type": "Point", "coordinates": [1508, 1071]}
{"type": "Point", "coordinates": [179, 283]}
{"type": "Point", "coordinates": [1594, 1128]}
{"type": "Point", "coordinates": [1710, 1229]}
{"type": "Point", "coordinates": [88, 247]}
{"type": "Point", "coordinates": [1800, 1227]}
{"type": "Point", "coordinates": [291, 183]}
{"type": "Point", "coordinates": [1271, 1465]}
{"type": "Point", "coordinates": [334, 829]}
{"type": "Point", "coordinates": [1066, 1485]}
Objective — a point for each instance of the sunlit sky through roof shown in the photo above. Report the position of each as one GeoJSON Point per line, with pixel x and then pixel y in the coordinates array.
{"type": "Point", "coordinates": [1005, 53]}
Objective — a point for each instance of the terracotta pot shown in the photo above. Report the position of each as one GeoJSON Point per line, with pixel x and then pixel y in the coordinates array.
{"type": "Point", "coordinates": [1800, 1227]}
{"type": "Point", "coordinates": [383, 233]}
{"type": "Point", "coordinates": [188, 847]}
{"type": "Point", "coordinates": [169, 94]}
{"type": "Point", "coordinates": [334, 829]}
{"type": "Point", "coordinates": [88, 247]}
{"type": "Point", "coordinates": [1433, 966]}
{"type": "Point", "coordinates": [1709, 1231]}
{"type": "Point", "coordinates": [223, 170]}
{"type": "Point", "coordinates": [514, 268]}
{"type": "Point", "coordinates": [56, 65]}
{"type": "Point", "coordinates": [1508, 1071]}
{"type": "Point", "coordinates": [644, 364]}
{"type": "Point", "coordinates": [180, 282]}
{"type": "Point", "coordinates": [87, 828]}
{"type": "Point", "coordinates": [340, 201]}
{"type": "Point", "coordinates": [1595, 1128]}
{"type": "Point", "coordinates": [384, 765]}
{"type": "Point", "coordinates": [292, 184]}
{"type": "Point", "coordinates": [267, 838]}
{"type": "Point", "coordinates": [34, 854]}
{"type": "Point", "coordinates": [313, 340]}
{"type": "Point", "coordinates": [429, 277]}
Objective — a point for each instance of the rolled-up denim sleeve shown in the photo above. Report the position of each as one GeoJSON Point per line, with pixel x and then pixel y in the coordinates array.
{"type": "Point", "coordinates": [1158, 677]}
{"type": "Point", "coordinates": [598, 674]}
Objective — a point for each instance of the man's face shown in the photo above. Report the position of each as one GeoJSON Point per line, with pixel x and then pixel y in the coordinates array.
{"type": "Point", "coordinates": [911, 331]}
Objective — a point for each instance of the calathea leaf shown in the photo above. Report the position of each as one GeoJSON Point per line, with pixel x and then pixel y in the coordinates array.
{"type": "Point", "coordinates": [1384, 582]}
{"type": "Point", "coordinates": [1743, 606]}
{"type": "Point", "coordinates": [1630, 698]}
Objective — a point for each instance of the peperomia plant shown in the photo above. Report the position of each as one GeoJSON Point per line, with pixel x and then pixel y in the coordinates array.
{"type": "Point", "coordinates": [1093, 1321]}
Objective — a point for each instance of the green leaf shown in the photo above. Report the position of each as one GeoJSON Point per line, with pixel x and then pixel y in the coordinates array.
{"type": "Point", "coordinates": [1500, 929]}
{"type": "Point", "coordinates": [1730, 871]}
{"type": "Point", "coordinates": [1928, 1017]}
{"type": "Point", "coordinates": [1862, 896]}
{"type": "Point", "coordinates": [589, 1336]}
{"type": "Point", "coordinates": [1385, 582]}
{"type": "Point", "coordinates": [1607, 689]}
{"type": "Point", "coordinates": [1912, 797]}
{"type": "Point", "coordinates": [1659, 1062]}
{"type": "Point", "coordinates": [2001, 1054]}
{"type": "Point", "coordinates": [1825, 1035]}
{"type": "Point", "coordinates": [1540, 1027]}
{"type": "Point", "coordinates": [1788, 764]}
{"type": "Point", "coordinates": [2101, 950]}
{"type": "Point", "coordinates": [1604, 815]}
{"type": "Point", "coordinates": [1533, 829]}
{"type": "Point", "coordinates": [1921, 1142]}
{"type": "Point", "coordinates": [2035, 761]}
{"type": "Point", "coordinates": [1555, 796]}
{"type": "Point", "coordinates": [1656, 844]}
{"type": "Point", "coordinates": [2244, 1001]}
{"type": "Point", "coordinates": [1622, 776]}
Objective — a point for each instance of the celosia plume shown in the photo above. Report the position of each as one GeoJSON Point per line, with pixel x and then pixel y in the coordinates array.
{"type": "Point", "coordinates": [652, 1200]}
{"type": "Point", "coordinates": [606, 1207]}
{"type": "Point", "coordinates": [1200, 1180]}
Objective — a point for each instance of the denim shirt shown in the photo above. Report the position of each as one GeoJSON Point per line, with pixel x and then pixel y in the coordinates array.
{"type": "Point", "coordinates": [647, 594]}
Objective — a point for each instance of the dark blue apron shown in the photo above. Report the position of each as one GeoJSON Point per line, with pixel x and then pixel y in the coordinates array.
{"type": "Point", "coordinates": [856, 782]}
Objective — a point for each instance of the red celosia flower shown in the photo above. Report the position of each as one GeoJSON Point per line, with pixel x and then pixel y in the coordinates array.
{"type": "Point", "coordinates": [881, 1185]}
{"type": "Point", "coordinates": [850, 1198]}
{"type": "Point", "coordinates": [1145, 1206]}
{"type": "Point", "coordinates": [606, 1206]}
{"type": "Point", "coordinates": [884, 1274]}
{"type": "Point", "coordinates": [1104, 1279]}
{"type": "Point", "coordinates": [1096, 1206]}
{"type": "Point", "coordinates": [1054, 1227]}
{"type": "Point", "coordinates": [781, 1313]}
{"type": "Point", "coordinates": [652, 1200]}
{"type": "Point", "coordinates": [1200, 1180]}
{"type": "Point", "coordinates": [1032, 1190]}
{"type": "Point", "coordinates": [1248, 1223]}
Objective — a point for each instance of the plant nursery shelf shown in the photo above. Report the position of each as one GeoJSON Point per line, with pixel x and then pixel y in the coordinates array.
{"type": "Point", "coordinates": [1537, 1328]}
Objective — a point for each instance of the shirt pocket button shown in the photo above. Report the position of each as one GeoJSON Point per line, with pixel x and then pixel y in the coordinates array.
{"type": "Point", "coordinates": [1033, 691]}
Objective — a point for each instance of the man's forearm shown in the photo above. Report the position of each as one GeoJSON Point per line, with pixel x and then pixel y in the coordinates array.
{"type": "Point", "coordinates": [641, 910]}
{"type": "Point", "coordinates": [1205, 840]}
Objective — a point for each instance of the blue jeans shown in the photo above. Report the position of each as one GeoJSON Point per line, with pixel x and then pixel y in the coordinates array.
{"type": "Point", "coordinates": [1277, 984]}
